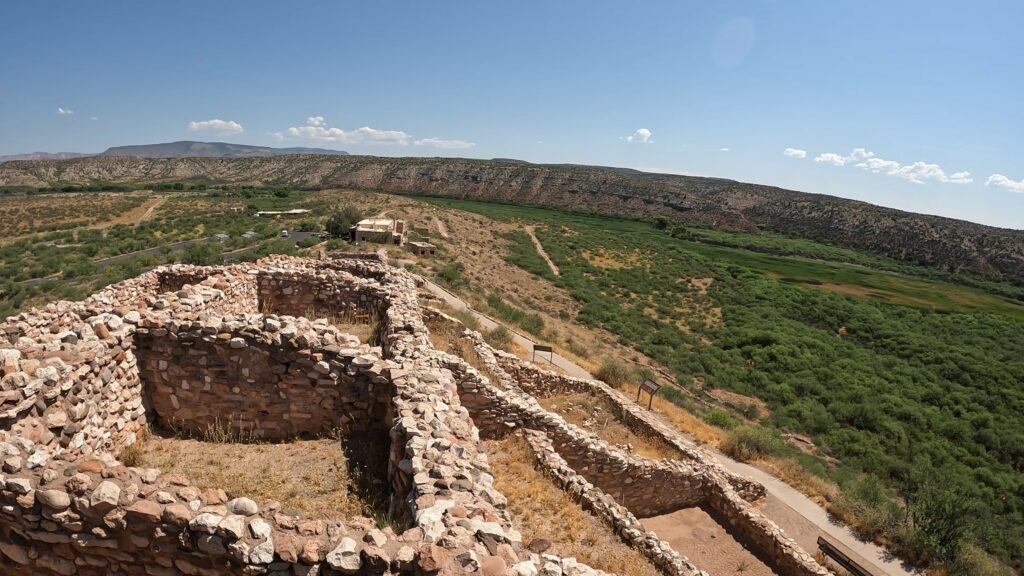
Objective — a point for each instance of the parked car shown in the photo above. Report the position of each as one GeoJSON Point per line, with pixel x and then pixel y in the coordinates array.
{"type": "Point", "coordinates": [284, 233]}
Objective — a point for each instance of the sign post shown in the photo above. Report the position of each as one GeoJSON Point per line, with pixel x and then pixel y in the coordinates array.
{"type": "Point", "coordinates": [649, 386]}
{"type": "Point", "coordinates": [544, 348]}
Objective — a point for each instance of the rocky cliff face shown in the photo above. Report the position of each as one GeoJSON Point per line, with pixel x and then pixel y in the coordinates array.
{"type": "Point", "coordinates": [949, 244]}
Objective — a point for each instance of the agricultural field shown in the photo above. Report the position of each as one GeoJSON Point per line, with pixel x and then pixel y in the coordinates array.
{"type": "Point", "coordinates": [908, 385]}
{"type": "Point", "coordinates": [65, 245]}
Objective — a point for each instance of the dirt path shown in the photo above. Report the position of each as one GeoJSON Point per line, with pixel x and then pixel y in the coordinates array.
{"type": "Point", "coordinates": [540, 250]}
{"type": "Point", "coordinates": [489, 323]}
{"type": "Point", "coordinates": [442, 229]}
{"type": "Point", "coordinates": [140, 213]}
{"type": "Point", "coordinates": [149, 211]}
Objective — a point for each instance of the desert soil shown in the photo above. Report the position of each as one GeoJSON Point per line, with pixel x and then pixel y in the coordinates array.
{"type": "Point", "coordinates": [697, 535]}
{"type": "Point", "coordinates": [596, 416]}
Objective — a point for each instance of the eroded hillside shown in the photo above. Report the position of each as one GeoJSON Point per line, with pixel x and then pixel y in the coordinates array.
{"type": "Point", "coordinates": [953, 245]}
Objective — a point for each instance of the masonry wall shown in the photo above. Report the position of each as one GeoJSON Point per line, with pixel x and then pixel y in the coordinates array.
{"type": "Point", "coordinates": [560, 445]}
{"type": "Point", "coordinates": [539, 382]}
{"type": "Point", "coordinates": [265, 377]}
{"type": "Point", "coordinates": [646, 487]}
{"type": "Point", "coordinates": [68, 507]}
{"type": "Point", "coordinates": [300, 294]}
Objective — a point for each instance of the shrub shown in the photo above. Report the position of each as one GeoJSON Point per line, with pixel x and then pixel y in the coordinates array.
{"type": "Point", "coordinates": [201, 254]}
{"type": "Point", "coordinates": [747, 442]}
{"type": "Point", "coordinates": [972, 560]}
{"type": "Point", "coordinates": [722, 419]}
{"type": "Point", "coordinates": [616, 373]}
{"type": "Point", "coordinates": [452, 276]}
{"type": "Point", "coordinates": [467, 319]}
{"type": "Point", "coordinates": [500, 337]}
{"type": "Point", "coordinates": [532, 323]}
{"type": "Point", "coordinates": [340, 222]}
{"type": "Point", "coordinates": [309, 242]}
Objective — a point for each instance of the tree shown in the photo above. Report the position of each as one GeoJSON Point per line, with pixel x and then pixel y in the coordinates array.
{"type": "Point", "coordinates": [201, 254]}
{"type": "Point", "coordinates": [340, 222]}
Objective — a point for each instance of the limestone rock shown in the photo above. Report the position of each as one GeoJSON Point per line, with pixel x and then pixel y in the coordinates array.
{"type": "Point", "coordinates": [344, 557]}
{"type": "Point", "coordinates": [104, 498]}
{"type": "Point", "coordinates": [54, 499]}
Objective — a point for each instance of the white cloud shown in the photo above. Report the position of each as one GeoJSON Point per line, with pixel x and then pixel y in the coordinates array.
{"type": "Point", "coordinates": [93, 118]}
{"type": "Point", "coordinates": [316, 130]}
{"type": "Point", "coordinates": [64, 111]}
{"type": "Point", "coordinates": [723, 149]}
{"type": "Point", "coordinates": [830, 158]}
{"type": "Point", "coordinates": [1004, 182]}
{"type": "Point", "coordinates": [918, 172]}
{"type": "Point", "coordinates": [795, 153]}
{"type": "Point", "coordinates": [216, 125]}
{"type": "Point", "coordinates": [642, 136]}
{"type": "Point", "coordinates": [445, 144]}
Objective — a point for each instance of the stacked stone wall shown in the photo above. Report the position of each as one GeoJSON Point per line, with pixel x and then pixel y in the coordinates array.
{"type": "Point", "coordinates": [74, 394]}
{"type": "Point", "coordinates": [261, 377]}
{"type": "Point", "coordinates": [539, 382]}
{"type": "Point", "coordinates": [647, 487]}
{"type": "Point", "coordinates": [615, 474]}
{"type": "Point", "coordinates": [618, 517]}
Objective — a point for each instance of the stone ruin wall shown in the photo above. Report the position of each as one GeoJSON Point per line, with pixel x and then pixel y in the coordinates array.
{"type": "Point", "coordinates": [620, 485]}
{"type": "Point", "coordinates": [542, 383]}
{"type": "Point", "coordinates": [79, 511]}
{"type": "Point", "coordinates": [91, 369]}
{"type": "Point", "coordinates": [260, 379]}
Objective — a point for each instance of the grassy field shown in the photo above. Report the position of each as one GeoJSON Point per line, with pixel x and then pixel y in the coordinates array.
{"type": "Point", "coordinates": [909, 386]}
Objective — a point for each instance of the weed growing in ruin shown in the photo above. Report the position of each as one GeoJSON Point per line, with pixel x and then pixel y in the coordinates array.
{"type": "Point", "coordinates": [229, 432]}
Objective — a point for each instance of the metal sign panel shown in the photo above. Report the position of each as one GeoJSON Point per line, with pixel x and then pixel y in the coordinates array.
{"type": "Point", "coordinates": [649, 386]}
{"type": "Point", "coordinates": [544, 348]}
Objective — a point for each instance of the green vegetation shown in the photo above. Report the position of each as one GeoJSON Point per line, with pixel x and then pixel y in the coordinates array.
{"type": "Point", "coordinates": [339, 224]}
{"type": "Point", "coordinates": [616, 373]}
{"type": "Point", "coordinates": [500, 337]}
{"type": "Point", "coordinates": [746, 442]}
{"type": "Point", "coordinates": [452, 276]}
{"type": "Point", "coordinates": [532, 323]}
{"type": "Point", "coordinates": [912, 384]}
{"type": "Point", "coordinates": [78, 255]}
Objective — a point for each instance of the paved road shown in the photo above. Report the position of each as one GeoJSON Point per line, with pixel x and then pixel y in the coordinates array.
{"type": "Point", "coordinates": [811, 515]}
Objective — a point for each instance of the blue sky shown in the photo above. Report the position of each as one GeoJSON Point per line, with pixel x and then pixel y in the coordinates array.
{"type": "Point", "coordinates": [926, 91]}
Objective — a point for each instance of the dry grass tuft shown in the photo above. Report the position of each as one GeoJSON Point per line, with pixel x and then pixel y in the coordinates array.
{"type": "Point", "coordinates": [597, 415]}
{"type": "Point", "coordinates": [793, 473]}
{"type": "Point", "coordinates": [362, 325]}
{"type": "Point", "coordinates": [542, 510]}
{"type": "Point", "coordinates": [683, 420]}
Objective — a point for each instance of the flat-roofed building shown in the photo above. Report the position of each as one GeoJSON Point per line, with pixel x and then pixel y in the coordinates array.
{"type": "Point", "coordinates": [423, 248]}
{"type": "Point", "coordinates": [379, 230]}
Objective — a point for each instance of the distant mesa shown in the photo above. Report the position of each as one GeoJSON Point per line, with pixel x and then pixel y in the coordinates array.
{"type": "Point", "coordinates": [44, 156]}
{"type": "Point", "coordinates": [192, 149]}
{"type": "Point", "coordinates": [182, 149]}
